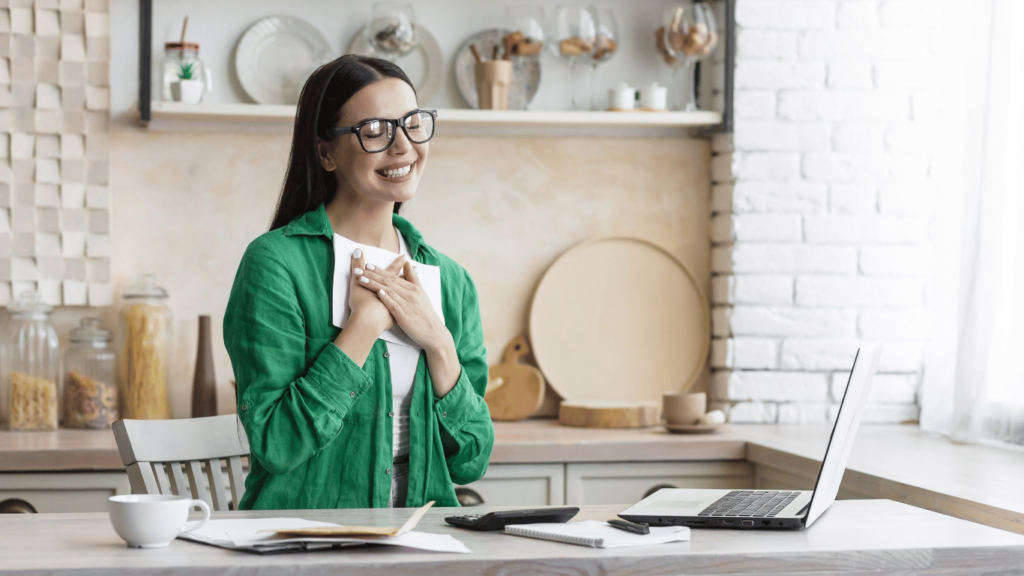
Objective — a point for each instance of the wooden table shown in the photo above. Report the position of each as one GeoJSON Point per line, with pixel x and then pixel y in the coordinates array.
{"type": "Point", "coordinates": [853, 537]}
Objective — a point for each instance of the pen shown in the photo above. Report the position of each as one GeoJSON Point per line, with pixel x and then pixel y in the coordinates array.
{"type": "Point", "coordinates": [628, 526]}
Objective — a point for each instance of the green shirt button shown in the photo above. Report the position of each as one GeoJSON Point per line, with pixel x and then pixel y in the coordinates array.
{"type": "Point", "coordinates": [388, 471]}
{"type": "Point", "coordinates": [352, 394]}
{"type": "Point", "coordinates": [245, 406]}
{"type": "Point", "coordinates": [387, 354]}
{"type": "Point", "coordinates": [391, 414]}
{"type": "Point", "coordinates": [444, 414]}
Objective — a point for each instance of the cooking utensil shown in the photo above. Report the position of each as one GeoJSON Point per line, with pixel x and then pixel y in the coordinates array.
{"type": "Point", "coordinates": [522, 390]}
{"type": "Point", "coordinates": [619, 319]}
{"type": "Point", "coordinates": [525, 75]}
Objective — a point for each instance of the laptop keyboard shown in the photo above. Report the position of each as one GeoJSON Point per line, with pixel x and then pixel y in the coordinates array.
{"type": "Point", "coordinates": [750, 504]}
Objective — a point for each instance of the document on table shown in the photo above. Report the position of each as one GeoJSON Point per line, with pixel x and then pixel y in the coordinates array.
{"type": "Point", "coordinates": [256, 535]}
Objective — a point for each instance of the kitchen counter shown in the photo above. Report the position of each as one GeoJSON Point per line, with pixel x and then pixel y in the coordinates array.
{"type": "Point", "coordinates": [978, 483]}
{"type": "Point", "coordinates": [853, 536]}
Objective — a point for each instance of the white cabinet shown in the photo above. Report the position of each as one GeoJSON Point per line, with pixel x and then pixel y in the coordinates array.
{"type": "Point", "coordinates": [522, 485]}
{"type": "Point", "coordinates": [629, 482]}
{"type": "Point", "coordinates": [62, 492]}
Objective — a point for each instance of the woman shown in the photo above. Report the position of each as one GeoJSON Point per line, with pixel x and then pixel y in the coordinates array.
{"type": "Point", "coordinates": [341, 418]}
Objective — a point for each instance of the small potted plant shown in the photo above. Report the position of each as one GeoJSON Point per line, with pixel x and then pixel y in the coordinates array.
{"type": "Point", "coordinates": [188, 88]}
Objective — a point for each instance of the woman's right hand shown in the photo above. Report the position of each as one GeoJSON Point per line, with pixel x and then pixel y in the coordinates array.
{"type": "Point", "coordinates": [366, 306]}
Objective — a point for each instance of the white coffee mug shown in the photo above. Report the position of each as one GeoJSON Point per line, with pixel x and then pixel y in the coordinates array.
{"type": "Point", "coordinates": [654, 97]}
{"type": "Point", "coordinates": [153, 520]}
{"type": "Point", "coordinates": [622, 97]}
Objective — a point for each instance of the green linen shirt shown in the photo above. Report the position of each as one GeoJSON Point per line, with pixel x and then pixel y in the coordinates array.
{"type": "Point", "coordinates": [319, 426]}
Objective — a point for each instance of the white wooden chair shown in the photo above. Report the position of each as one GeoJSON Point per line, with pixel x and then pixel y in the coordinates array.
{"type": "Point", "coordinates": [154, 452]}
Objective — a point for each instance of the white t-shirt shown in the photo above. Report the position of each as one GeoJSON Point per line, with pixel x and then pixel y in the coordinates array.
{"type": "Point", "coordinates": [403, 361]}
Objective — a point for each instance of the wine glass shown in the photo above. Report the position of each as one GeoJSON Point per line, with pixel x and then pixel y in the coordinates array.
{"type": "Point", "coordinates": [525, 39]}
{"type": "Point", "coordinates": [687, 35]}
{"type": "Point", "coordinates": [391, 32]}
{"type": "Point", "coordinates": [605, 45]}
{"type": "Point", "coordinates": [574, 31]}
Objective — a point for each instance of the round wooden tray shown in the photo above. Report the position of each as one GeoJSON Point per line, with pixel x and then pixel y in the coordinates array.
{"type": "Point", "coordinates": [619, 319]}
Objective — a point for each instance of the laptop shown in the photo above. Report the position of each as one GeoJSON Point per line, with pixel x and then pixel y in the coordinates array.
{"type": "Point", "coordinates": [770, 509]}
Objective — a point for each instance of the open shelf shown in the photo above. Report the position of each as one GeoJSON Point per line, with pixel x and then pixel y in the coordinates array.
{"type": "Point", "coordinates": [175, 116]}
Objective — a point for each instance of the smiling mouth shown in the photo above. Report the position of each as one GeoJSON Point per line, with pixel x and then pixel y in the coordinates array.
{"type": "Point", "coordinates": [396, 174]}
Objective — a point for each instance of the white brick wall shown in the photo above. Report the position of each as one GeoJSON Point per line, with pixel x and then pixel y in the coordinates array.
{"type": "Point", "coordinates": [821, 202]}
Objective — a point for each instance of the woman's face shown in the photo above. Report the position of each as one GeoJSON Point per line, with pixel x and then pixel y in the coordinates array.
{"type": "Point", "coordinates": [366, 173]}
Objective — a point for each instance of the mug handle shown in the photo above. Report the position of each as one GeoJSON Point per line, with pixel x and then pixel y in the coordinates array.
{"type": "Point", "coordinates": [196, 524]}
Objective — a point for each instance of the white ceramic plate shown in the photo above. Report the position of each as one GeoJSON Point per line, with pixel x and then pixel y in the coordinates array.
{"type": "Point", "coordinates": [424, 65]}
{"type": "Point", "coordinates": [276, 55]}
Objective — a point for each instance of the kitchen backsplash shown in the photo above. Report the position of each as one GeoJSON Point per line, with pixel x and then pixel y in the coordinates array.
{"type": "Point", "coordinates": [185, 206]}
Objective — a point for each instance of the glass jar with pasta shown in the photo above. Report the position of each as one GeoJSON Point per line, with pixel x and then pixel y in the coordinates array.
{"type": "Point", "coordinates": [29, 362]}
{"type": "Point", "coordinates": [144, 351]}
{"type": "Point", "coordinates": [90, 391]}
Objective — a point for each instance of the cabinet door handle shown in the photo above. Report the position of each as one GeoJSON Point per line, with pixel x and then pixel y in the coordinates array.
{"type": "Point", "coordinates": [468, 496]}
{"type": "Point", "coordinates": [16, 506]}
{"type": "Point", "coordinates": [658, 487]}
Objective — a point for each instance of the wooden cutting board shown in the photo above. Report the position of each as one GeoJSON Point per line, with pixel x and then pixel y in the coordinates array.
{"type": "Point", "coordinates": [521, 391]}
{"type": "Point", "coordinates": [619, 319]}
{"type": "Point", "coordinates": [598, 414]}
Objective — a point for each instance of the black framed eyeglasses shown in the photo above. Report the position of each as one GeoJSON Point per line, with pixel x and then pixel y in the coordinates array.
{"type": "Point", "coordinates": [377, 134]}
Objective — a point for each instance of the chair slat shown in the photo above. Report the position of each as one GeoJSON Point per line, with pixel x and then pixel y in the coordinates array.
{"type": "Point", "coordinates": [161, 478]}
{"type": "Point", "coordinates": [140, 476]}
{"type": "Point", "coordinates": [237, 479]}
{"type": "Point", "coordinates": [178, 485]}
{"type": "Point", "coordinates": [195, 478]}
{"type": "Point", "coordinates": [217, 490]}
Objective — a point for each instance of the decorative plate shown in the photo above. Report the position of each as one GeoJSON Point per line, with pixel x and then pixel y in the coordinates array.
{"type": "Point", "coordinates": [525, 74]}
{"type": "Point", "coordinates": [424, 65]}
{"type": "Point", "coordinates": [276, 55]}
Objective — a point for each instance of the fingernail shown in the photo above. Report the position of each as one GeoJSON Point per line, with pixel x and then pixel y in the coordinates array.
{"type": "Point", "coordinates": [382, 292]}
{"type": "Point", "coordinates": [371, 267]}
{"type": "Point", "coordinates": [364, 279]}
{"type": "Point", "coordinates": [358, 272]}
{"type": "Point", "coordinates": [357, 253]}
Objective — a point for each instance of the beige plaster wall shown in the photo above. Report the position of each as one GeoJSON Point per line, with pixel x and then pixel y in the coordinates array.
{"type": "Point", "coordinates": [186, 205]}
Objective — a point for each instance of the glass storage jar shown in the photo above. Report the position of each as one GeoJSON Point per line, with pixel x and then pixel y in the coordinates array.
{"type": "Point", "coordinates": [30, 365]}
{"type": "Point", "coordinates": [90, 392]}
{"type": "Point", "coordinates": [183, 76]}
{"type": "Point", "coordinates": [144, 351]}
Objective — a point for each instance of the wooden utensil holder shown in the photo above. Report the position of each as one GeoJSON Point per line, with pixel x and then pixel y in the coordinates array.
{"type": "Point", "coordinates": [493, 78]}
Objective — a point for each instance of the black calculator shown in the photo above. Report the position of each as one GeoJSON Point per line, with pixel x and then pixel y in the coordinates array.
{"type": "Point", "coordinates": [498, 520]}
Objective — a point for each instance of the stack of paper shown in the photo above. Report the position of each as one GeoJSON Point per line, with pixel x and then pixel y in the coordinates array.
{"type": "Point", "coordinates": [260, 535]}
{"type": "Point", "coordinates": [599, 534]}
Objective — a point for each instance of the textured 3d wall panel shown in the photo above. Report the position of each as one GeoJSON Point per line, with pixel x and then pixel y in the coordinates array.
{"type": "Point", "coordinates": [54, 141]}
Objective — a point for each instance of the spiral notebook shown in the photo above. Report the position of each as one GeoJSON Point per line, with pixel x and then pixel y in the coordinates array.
{"type": "Point", "coordinates": [597, 534]}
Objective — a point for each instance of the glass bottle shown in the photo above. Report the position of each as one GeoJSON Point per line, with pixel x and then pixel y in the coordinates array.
{"type": "Point", "coordinates": [144, 351]}
{"type": "Point", "coordinates": [30, 365]}
{"type": "Point", "coordinates": [90, 392]}
{"type": "Point", "coordinates": [183, 76]}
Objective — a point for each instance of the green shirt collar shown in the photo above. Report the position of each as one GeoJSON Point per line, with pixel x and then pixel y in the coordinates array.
{"type": "Point", "coordinates": [316, 223]}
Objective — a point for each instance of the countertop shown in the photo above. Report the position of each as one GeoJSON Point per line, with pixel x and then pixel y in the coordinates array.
{"type": "Point", "coordinates": [852, 537]}
{"type": "Point", "coordinates": [902, 463]}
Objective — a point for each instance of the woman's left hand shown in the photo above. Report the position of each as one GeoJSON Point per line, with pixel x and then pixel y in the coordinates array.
{"type": "Point", "coordinates": [407, 301]}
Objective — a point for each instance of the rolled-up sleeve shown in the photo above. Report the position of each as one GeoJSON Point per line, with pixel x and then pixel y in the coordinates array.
{"type": "Point", "coordinates": [290, 408]}
{"type": "Point", "coordinates": [467, 433]}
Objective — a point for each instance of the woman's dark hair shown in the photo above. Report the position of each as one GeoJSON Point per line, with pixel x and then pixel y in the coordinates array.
{"type": "Point", "coordinates": [306, 183]}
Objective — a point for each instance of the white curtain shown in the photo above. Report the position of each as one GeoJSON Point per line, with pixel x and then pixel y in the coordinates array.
{"type": "Point", "coordinates": [974, 375]}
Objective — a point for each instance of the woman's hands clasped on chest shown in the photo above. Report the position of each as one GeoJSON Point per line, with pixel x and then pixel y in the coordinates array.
{"type": "Point", "coordinates": [398, 288]}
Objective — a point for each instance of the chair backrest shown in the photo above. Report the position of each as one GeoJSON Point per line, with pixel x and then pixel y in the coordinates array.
{"type": "Point", "coordinates": [154, 452]}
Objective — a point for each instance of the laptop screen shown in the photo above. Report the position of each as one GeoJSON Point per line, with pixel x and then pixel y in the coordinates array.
{"type": "Point", "coordinates": [840, 444]}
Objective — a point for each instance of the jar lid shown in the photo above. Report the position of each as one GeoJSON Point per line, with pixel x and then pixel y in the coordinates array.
{"type": "Point", "coordinates": [89, 331]}
{"type": "Point", "coordinates": [144, 287]}
{"type": "Point", "coordinates": [188, 46]}
{"type": "Point", "coordinates": [29, 301]}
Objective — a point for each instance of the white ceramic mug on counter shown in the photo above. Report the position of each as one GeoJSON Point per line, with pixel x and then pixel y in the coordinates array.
{"type": "Point", "coordinates": [153, 520]}
{"type": "Point", "coordinates": [654, 97]}
{"type": "Point", "coordinates": [622, 97]}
